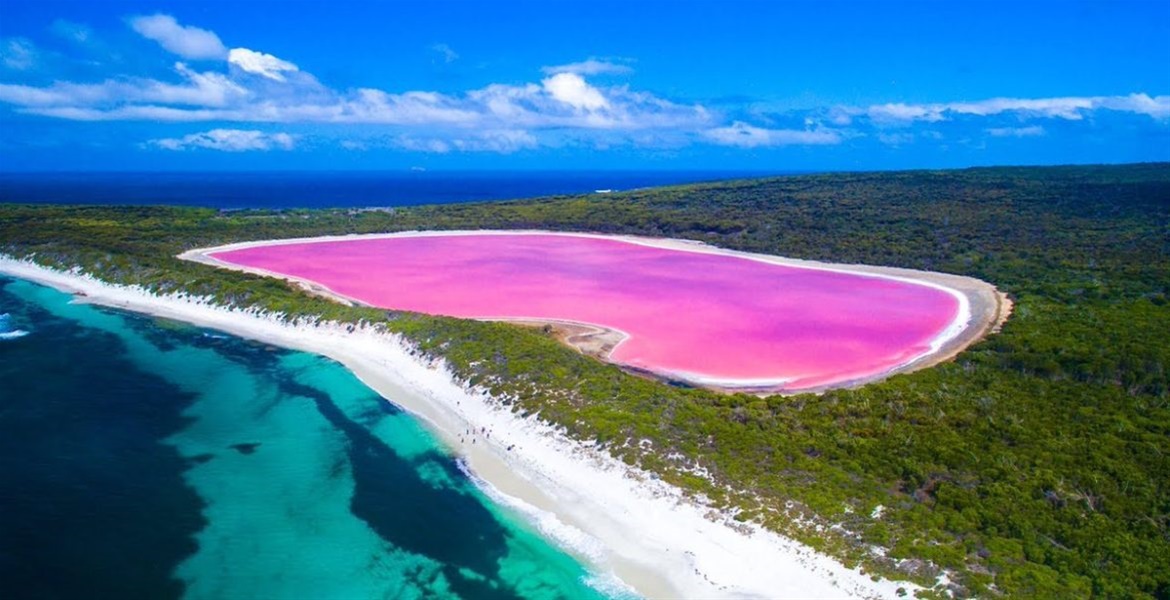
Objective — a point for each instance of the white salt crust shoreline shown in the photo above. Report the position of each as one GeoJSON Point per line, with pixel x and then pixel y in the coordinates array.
{"type": "Point", "coordinates": [980, 305]}
{"type": "Point", "coordinates": [634, 530]}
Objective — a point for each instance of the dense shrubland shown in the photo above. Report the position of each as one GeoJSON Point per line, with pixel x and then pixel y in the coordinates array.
{"type": "Point", "coordinates": [1037, 464]}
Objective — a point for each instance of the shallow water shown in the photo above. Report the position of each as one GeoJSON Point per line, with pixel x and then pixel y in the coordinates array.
{"type": "Point", "coordinates": [146, 458]}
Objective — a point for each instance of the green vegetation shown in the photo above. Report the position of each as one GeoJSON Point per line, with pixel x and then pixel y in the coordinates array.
{"type": "Point", "coordinates": [1035, 465]}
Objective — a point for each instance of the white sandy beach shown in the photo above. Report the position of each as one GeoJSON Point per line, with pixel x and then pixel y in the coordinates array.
{"type": "Point", "coordinates": [635, 530]}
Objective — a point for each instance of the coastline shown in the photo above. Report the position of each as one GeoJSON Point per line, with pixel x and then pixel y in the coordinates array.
{"type": "Point", "coordinates": [982, 308]}
{"type": "Point", "coordinates": [619, 519]}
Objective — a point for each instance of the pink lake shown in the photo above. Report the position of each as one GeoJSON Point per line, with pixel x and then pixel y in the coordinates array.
{"type": "Point", "coordinates": [694, 314]}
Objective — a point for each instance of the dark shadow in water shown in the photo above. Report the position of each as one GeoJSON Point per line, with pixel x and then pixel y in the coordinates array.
{"type": "Point", "coordinates": [246, 447]}
{"type": "Point", "coordinates": [448, 526]}
{"type": "Point", "coordinates": [92, 502]}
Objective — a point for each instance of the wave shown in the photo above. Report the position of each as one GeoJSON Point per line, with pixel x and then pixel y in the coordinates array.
{"type": "Point", "coordinates": [9, 334]}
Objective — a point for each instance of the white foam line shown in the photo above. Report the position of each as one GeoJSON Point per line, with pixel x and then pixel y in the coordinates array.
{"type": "Point", "coordinates": [648, 531]}
{"type": "Point", "coordinates": [551, 527]}
{"type": "Point", "coordinates": [958, 323]}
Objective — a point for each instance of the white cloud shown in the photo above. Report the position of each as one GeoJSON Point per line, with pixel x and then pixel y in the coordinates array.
{"type": "Point", "coordinates": [259, 63]}
{"type": "Point", "coordinates": [744, 135]}
{"type": "Point", "coordinates": [1032, 131]}
{"type": "Point", "coordinates": [188, 42]}
{"type": "Point", "coordinates": [1064, 108]}
{"type": "Point", "coordinates": [445, 52]}
{"type": "Point", "coordinates": [567, 101]}
{"type": "Point", "coordinates": [1070, 108]}
{"type": "Point", "coordinates": [591, 66]}
{"type": "Point", "coordinates": [200, 89]}
{"type": "Point", "coordinates": [572, 89]}
{"type": "Point", "coordinates": [886, 113]}
{"type": "Point", "coordinates": [1157, 107]}
{"type": "Point", "coordinates": [502, 141]}
{"type": "Point", "coordinates": [563, 102]}
{"type": "Point", "coordinates": [229, 140]}
{"type": "Point", "coordinates": [128, 113]}
{"type": "Point", "coordinates": [565, 106]}
{"type": "Point", "coordinates": [18, 54]}
{"type": "Point", "coordinates": [410, 108]}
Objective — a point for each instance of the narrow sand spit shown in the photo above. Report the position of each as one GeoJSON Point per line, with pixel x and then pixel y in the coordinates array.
{"type": "Point", "coordinates": [636, 531]}
{"type": "Point", "coordinates": [981, 307]}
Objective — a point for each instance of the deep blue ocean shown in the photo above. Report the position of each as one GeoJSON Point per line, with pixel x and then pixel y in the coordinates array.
{"type": "Point", "coordinates": [329, 189]}
{"type": "Point", "coordinates": [144, 458]}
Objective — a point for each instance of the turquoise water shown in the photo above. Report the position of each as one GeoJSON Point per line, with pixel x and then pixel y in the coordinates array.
{"type": "Point", "coordinates": [144, 458]}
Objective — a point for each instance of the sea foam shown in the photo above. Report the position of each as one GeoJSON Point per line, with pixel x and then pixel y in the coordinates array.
{"type": "Point", "coordinates": [6, 331]}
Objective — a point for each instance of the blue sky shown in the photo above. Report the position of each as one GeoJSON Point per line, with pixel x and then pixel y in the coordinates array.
{"type": "Point", "coordinates": [759, 85]}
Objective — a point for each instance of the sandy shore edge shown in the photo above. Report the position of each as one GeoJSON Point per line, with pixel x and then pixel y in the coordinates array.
{"type": "Point", "coordinates": [983, 308]}
{"type": "Point", "coordinates": [637, 531]}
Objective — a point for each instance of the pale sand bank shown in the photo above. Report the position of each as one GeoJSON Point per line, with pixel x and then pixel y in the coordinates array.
{"type": "Point", "coordinates": [982, 308]}
{"type": "Point", "coordinates": [635, 530]}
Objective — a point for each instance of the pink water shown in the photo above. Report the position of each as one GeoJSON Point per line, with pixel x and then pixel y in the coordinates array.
{"type": "Point", "coordinates": [697, 315]}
